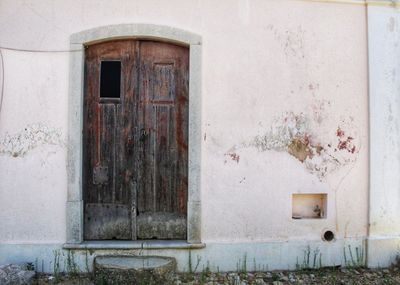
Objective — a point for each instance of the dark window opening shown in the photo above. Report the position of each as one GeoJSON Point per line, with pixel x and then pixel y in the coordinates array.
{"type": "Point", "coordinates": [110, 79]}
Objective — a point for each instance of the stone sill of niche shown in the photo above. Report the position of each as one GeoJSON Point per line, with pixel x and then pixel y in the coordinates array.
{"type": "Point", "coordinates": [135, 244]}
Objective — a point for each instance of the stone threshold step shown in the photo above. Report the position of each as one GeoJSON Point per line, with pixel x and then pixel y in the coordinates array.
{"type": "Point", "coordinates": [124, 269]}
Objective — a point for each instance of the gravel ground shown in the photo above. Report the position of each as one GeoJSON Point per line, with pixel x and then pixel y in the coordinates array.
{"type": "Point", "coordinates": [321, 276]}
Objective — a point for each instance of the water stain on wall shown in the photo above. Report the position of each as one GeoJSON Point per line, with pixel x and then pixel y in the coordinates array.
{"type": "Point", "coordinates": [32, 136]}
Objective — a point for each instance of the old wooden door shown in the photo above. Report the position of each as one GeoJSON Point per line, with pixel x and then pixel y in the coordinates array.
{"type": "Point", "coordinates": [135, 140]}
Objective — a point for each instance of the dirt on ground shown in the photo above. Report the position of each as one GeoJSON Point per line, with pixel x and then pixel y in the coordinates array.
{"type": "Point", "coordinates": [321, 276]}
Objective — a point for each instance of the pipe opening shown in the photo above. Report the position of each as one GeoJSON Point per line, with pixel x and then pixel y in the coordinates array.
{"type": "Point", "coordinates": [328, 236]}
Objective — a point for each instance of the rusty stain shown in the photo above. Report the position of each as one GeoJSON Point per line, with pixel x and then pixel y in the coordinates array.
{"type": "Point", "coordinates": [234, 156]}
{"type": "Point", "coordinates": [345, 142]}
{"type": "Point", "coordinates": [313, 87]}
{"type": "Point", "coordinates": [231, 153]}
{"type": "Point", "coordinates": [339, 132]}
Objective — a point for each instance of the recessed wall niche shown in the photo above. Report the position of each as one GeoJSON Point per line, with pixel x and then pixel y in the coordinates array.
{"type": "Point", "coordinates": [309, 206]}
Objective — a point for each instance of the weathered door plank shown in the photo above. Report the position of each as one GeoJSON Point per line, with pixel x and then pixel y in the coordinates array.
{"type": "Point", "coordinates": [135, 147]}
{"type": "Point", "coordinates": [163, 115]}
{"type": "Point", "coordinates": [107, 158]}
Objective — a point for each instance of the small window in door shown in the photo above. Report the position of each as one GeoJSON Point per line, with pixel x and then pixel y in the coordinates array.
{"type": "Point", "coordinates": [110, 80]}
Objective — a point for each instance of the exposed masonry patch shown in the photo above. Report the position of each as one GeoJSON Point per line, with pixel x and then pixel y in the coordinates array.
{"type": "Point", "coordinates": [304, 136]}
{"type": "Point", "coordinates": [293, 133]}
{"type": "Point", "coordinates": [29, 138]}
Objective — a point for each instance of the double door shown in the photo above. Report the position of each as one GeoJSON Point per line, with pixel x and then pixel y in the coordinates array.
{"type": "Point", "coordinates": [135, 140]}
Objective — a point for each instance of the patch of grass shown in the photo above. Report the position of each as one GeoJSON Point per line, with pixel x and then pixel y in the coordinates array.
{"type": "Point", "coordinates": [312, 259]}
{"type": "Point", "coordinates": [56, 265]}
{"type": "Point", "coordinates": [71, 265]}
{"type": "Point", "coordinates": [87, 267]}
{"type": "Point", "coordinates": [241, 266]}
{"type": "Point", "coordinates": [189, 276]}
{"type": "Point", "coordinates": [354, 258]}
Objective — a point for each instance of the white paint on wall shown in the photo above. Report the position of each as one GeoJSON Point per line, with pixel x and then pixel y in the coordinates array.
{"type": "Point", "coordinates": [32, 147]}
{"type": "Point", "coordinates": [261, 60]}
{"type": "Point", "coordinates": [244, 11]}
{"type": "Point", "coordinates": [384, 64]}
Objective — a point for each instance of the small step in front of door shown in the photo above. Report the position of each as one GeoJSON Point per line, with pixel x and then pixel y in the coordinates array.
{"type": "Point", "coordinates": [152, 270]}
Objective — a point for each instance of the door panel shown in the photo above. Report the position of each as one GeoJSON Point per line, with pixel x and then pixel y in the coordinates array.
{"type": "Point", "coordinates": [163, 113]}
{"type": "Point", "coordinates": [135, 143]}
{"type": "Point", "coordinates": [108, 145]}
{"type": "Point", "coordinates": [108, 221]}
{"type": "Point", "coordinates": [161, 225]}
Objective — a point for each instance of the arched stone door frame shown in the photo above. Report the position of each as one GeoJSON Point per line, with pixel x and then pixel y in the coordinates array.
{"type": "Point", "coordinates": [78, 42]}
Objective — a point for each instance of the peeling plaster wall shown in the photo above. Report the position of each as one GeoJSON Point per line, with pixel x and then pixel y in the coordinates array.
{"type": "Point", "coordinates": [284, 108]}
{"type": "Point", "coordinates": [288, 79]}
{"type": "Point", "coordinates": [33, 124]}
